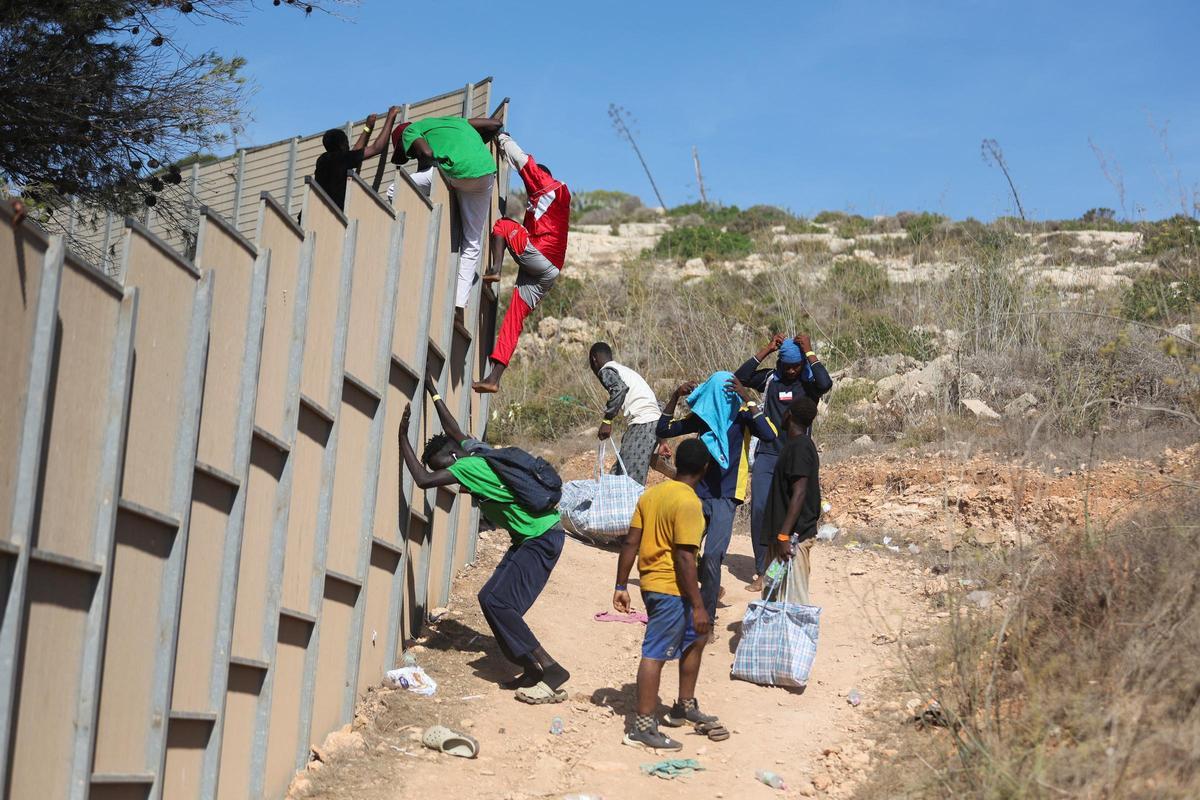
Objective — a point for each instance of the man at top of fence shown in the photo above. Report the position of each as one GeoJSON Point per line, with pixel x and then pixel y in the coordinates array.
{"type": "Point", "coordinates": [339, 157]}
{"type": "Point", "coordinates": [458, 147]}
{"type": "Point", "coordinates": [537, 542]}
{"type": "Point", "coordinates": [539, 247]}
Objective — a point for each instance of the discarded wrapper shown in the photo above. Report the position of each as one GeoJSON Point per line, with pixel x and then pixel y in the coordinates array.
{"type": "Point", "coordinates": [412, 678]}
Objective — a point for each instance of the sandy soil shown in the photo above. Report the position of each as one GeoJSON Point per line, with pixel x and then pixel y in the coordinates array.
{"type": "Point", "coordinates": [871, 596]}
{"type": "Point", "coordinates": [867, 598]}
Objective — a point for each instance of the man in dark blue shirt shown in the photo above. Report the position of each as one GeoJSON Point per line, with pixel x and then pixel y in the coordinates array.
{"type": "Point", "coordinates": [797, 372]}
{"type": "Point", "coordinates": [722, 489]}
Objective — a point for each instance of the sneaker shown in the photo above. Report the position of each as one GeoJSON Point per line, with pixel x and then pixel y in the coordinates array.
{"type": "Point", "coordinates": [653, 739]}
{"type": "Point", "coordinates": [679, 716]}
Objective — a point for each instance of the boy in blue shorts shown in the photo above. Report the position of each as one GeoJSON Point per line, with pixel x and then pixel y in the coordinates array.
{"type": "Point", "coordinates": [663, 537]}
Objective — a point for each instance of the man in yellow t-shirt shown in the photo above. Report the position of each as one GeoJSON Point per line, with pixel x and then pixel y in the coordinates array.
{"type": "Point", "coordinates": [663, 537]}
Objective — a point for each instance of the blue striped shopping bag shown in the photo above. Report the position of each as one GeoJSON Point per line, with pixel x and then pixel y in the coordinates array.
{"type": "Point", "coordinates": [779, 643]}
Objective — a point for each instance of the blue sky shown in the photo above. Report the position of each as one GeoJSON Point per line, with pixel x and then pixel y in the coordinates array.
{"type": "Point", "coordinates": [871, 107]}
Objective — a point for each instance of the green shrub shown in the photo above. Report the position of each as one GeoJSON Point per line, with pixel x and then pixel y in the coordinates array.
{"type": "Point", "coordinates": [757, 218]}
{"type": "Point", "coordinates": [564, 299]}
{"type": "Point", "coordinates": [847, 393]}
{"type": "Point", "coordinates": [858, 281]}
{"type": "Point", "coordinates": [847, 226]}
{"type": "Point", "coordinates": [853, 226]}
{"type": "Point", "coordinates": [1179, 234]}
{"type": "Point", "coordinates": [702, 241]}
{"type": "Point", "coordinates": [877, 335]}
{"type": "Point", "coordinates": [1156, 295]}
{"type": "Point", "coordinates": [921, 226]}
{"type": "Point", "coordinates": [542, 419]}
{"type": "Point", "coordinates": [716, 215]}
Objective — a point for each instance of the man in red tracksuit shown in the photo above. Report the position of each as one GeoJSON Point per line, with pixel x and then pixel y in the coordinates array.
{"type": "Point", "coordinates": [539, 247]}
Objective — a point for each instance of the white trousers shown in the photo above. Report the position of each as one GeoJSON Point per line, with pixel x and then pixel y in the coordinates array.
{"type": "Point", "coordinates": [474, 198]}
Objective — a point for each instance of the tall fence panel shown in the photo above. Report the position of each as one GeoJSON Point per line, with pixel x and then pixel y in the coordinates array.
{"type": "Point", "coordinates": [211, 548]}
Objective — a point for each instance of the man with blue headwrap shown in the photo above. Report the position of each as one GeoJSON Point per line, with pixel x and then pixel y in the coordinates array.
{"type": "Point", "coordinates": [726, 415]}
{"type": "Point", "coordinates": [797, 372]}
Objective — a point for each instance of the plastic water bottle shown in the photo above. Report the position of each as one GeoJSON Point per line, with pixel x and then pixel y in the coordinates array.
{"type": "Point", "coordinates": [770, 779]}
{"type": "Point", "coordinates": [556, 727]}
{"type": "Point", "coordinates": [854, 698]}
{"type": "Point", "coordinates": [410, 660]}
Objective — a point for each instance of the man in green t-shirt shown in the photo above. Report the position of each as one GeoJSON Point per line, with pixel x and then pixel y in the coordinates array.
{"type": "Point", "coordinates": [537, 542]}
{"type": "Point", "coordinates": [459, 148]}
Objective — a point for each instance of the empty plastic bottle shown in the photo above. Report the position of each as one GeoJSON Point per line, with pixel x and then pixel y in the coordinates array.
{"type": "Point", "coordinates": [770, 779]}
{"type": "Point", "coordinates": [410, 660]}
{"type": "Point", "coordinates": [556, 727]}
{"type": "Point", "coordinates": [854, 698]}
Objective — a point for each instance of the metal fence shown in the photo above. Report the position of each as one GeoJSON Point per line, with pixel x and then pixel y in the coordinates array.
{"type": "Point", "coordinates": [209, 555]}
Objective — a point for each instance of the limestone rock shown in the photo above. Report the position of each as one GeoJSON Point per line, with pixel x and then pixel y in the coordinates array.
{"type": "Point", "coordinates": [979, 408]}
{"type": "Point", "coordinates": [864, 441]}
{"type": "Point", "coordinates": [1018, 406]}
{"type": "Point", "coordinates": [837, 245]}
{"type": "Point", "coordinates": [339, 742]}
{"type": "Point", "coordinates": [981, 599]}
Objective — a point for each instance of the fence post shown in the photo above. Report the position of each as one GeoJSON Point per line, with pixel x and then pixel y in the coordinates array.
{"type": "Point", "coordinates": [237, 187]}
{"type": "Point", "coordinates": [27, 463]}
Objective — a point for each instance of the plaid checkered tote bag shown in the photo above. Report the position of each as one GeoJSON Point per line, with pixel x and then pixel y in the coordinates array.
{"type": "Point", "coordinates": [599, 510]}
{"type": "Point", "coordinates": [779, 642]}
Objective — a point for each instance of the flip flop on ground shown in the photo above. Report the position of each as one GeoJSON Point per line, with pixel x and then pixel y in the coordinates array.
{"type": "Point", "coordinates": [540, 694]}
{"type": "Point", "coordinates": [444, 740]}
{"type": "Point", "coordinates": [715, 731]}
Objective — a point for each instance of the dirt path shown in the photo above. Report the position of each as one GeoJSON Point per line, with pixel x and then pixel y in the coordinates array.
{"type": "Point", "coordinates": [869, 594]}
{"type": "Point", "coordinates": [866, 598]}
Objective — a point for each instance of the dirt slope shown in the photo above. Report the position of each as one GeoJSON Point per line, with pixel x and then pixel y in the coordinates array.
{"type": "Point", "coordinates": [870, 596]}
{"type": "Point", "coordinates": [865, 598]}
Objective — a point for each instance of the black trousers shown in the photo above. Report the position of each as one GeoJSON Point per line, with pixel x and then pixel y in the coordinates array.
{"type": "Point", "coordinates": [514, 587]}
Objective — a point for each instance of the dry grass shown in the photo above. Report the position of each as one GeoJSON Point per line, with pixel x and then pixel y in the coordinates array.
{"type": "Point", "coordinates": [1084, 683]}
{"type": "Point", "coordinates": [1090, 368]}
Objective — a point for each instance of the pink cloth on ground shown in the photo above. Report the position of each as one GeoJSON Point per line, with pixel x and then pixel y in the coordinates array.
{"type": "Point", "coordinates": [612, 616]}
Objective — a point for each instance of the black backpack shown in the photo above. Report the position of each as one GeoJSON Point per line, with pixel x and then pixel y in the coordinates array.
{"type": "Point", "coordinates": [532, 480]}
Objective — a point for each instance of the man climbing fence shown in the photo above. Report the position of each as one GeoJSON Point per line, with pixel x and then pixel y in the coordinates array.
{"type": "Point", "coordinates": [539, 246]}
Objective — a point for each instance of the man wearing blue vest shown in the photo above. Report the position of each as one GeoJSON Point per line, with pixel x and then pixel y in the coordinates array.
{"type": "Point", "coordinates": [797, 372]}
{"type": "Point", "coordinates": [726, 416]}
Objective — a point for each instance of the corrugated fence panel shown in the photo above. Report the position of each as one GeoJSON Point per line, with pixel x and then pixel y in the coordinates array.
{"type": "Point", "coordinates": [278, 234]}
{"type": "Point", "coordinates": [19, 291]}
{"type": "Point", "coordinates": [62, 610]}
{"type": "Point", "coordinates": [152, 520]}
{"type": "Point", "coordinates": [265, 558]}
{"type": "Point", "coordinates": [265, 170]}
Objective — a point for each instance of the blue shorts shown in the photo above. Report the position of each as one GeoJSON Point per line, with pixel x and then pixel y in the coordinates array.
{"type": "Point", "coordinates": [670, 631]}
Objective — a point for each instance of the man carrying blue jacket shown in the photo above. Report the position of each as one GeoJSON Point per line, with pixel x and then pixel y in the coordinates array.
{"type": "Point", "coordinates": [797, 372]}
{"type": "Point", "coordinates": [725, 414]}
